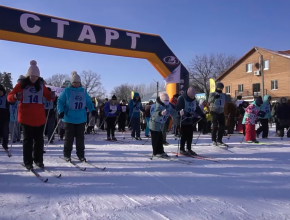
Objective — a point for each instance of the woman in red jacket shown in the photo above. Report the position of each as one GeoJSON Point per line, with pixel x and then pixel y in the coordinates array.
{"type": "Point", "coordinates": [31, 115]}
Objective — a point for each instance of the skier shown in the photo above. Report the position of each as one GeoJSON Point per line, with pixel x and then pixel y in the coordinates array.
{"type": "Point", "coordinates": [112, 109]}
{"type": "Point", "coordinates": [250, 119]}
{"type": "Point", "coordinates": [207, 127]}
{"type": "Point", "coordinates": [283, 116]}
{"type": "Point", "coordinates": [159, 115]}
{"type": "Point", "coordinates": [264, 117]}
{"type": "Point", "coordinates": [187, 106]}
{"type": "Point", "coordinates": [231, 113]}
{"type": "Point", "coordinates": [173, 102]}
{"type": "Point", "coordinates": [274, 115]}
{"type": "Point", "coordinates": [217, 102]}
{"type": "Point", "coordinates": [31, 115]}
{"type": "Point", "coordinates": [123, 116]}
{"type": "Point", "coordinates": [92, 120]}
{"type": "Point", "coordinates": [147, 116]}
{"type": "Point", "coordinates": [242, 107]}
{"type": "Point", "coordinates": [202, 123]}
{"type": "Point", "coordinates": [4, 118]}
{"type": "Point", "coordinates": [49, 107]}
{"type": "Point", "coordinates": [135, 106]}
{"type": "Point", "coordinates": [14, 127]}
{"type": "Point", "coordinates": [71, 107]}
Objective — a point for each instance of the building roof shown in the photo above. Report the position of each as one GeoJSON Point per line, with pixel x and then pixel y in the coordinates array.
{"type": "Point", "coordinates": [285, 54]}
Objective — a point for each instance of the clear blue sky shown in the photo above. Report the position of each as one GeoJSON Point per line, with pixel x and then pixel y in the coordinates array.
{"type": "Point", "coordinates": [189, 27]}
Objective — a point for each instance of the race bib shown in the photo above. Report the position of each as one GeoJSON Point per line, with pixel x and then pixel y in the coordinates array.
{"type": "Point", "coordinates": [124, 108]}
{"type": "Point", "coordinates": [77, 100]}
{"type": "Point", "coordinates": [47, 104]}
{"type": "Point", "coordinates": [31, 96]}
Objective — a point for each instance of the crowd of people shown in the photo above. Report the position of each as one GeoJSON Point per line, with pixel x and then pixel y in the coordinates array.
{"type": "Point", "coordinates": [35, 110]}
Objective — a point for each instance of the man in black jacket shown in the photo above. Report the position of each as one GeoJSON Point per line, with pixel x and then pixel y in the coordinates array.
{"type": "Point", "coordinates": [283, 112]}
{"type": "Point", "coordinates": [187, 106]}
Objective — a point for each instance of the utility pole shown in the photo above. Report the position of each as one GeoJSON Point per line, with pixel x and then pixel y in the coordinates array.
{"type": "Point", "coordinates": [157, 88]}
{"type": "Point", "coordinates": [261, 62]}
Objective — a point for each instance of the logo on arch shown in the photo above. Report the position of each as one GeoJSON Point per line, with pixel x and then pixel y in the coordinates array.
{"type": "Point", "coordinates": [79, 98]}
{"type": "Point", "coordinates": [171, 60]}
{"type": "Point", "coordinates": [33, 90]}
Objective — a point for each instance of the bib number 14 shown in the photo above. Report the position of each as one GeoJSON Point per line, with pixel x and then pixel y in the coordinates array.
{"type": "Point", "coordinates": [33, 99]}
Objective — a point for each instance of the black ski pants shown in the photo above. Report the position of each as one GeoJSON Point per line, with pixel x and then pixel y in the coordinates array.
{"type": "Point", "coordinates": [32, 144]}
{"type": "Point", "coordinates": [111, 126]}
{"type": "Point", "coordinates": [4, 132]}
{"type": "Point", "coordinates": [186, 136]}
{"type": "Point", "coordinates": [263, 128]}
{"type": "Point", "coordinates": [74, 131]}
{"type": "Point", "coordinates": [157, 142]}
{"type": "Point", "coordinates": [218, 121]}
{"type": "Point", "coordinates": [135, 125]}
{"type": "Point", "coordinates": [122, 122]}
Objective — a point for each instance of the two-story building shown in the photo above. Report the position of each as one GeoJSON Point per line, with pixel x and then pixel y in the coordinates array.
{"type": "Point", "coordinates": [244, 76]}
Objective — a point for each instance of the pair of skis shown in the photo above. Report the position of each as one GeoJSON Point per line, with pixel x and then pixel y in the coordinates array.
{"type": "Point", "coordinates": [199, 157]}
{"type": "Point", "coordinates": [41, 178]}
{"type": "Point", "coordinates": [74, 164]}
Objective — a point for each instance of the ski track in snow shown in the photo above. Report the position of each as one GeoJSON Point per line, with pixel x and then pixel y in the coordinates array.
{"type": "Point", "coordinates": [250, 182]}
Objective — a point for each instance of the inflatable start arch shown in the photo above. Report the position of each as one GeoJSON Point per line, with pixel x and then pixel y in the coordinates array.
{"type": "Point", "coordinates": [32, 28]}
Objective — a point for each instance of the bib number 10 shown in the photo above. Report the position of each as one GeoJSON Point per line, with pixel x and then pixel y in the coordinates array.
{"type": "Point", "coordinates": [78, 105]}
{"type": "Point", "coordinates": [33, 99]}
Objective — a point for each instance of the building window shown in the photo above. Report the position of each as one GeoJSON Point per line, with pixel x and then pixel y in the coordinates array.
{"type": "Point", "coordinates": [274, 84]}
{"type": "Point", "coordinates": [240, 88]}
{"type": "Point", "coordinates": [228, 89]}
{"type": "Point", "coordinates": [248, 67]}
{"type": "Point", "coordinates": [266, 64]}
{"type": "Point", "coordinates": [256, 89]}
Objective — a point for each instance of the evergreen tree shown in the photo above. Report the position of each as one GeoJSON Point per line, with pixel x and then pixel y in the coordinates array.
{"type": "Point", "coordinates": [1, 78]}
{"type": "Point", "coordinates": [7, 82]}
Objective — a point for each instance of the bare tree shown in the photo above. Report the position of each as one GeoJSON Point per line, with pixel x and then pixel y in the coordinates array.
{"type": "Point", "coordinates": [91, 81]}
{"type": "Point", "coordinates": [57, 79]}
{"type": "Point", "coordinates": [122, 91]}
{"type": "Point", "coordinates": [204, 67]}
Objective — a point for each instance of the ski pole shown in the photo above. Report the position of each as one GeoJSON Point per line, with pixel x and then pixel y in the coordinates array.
{"type": "Point", "coordinates": [46, 122]}
{"type": "Point", "coordinates": [51, 136]}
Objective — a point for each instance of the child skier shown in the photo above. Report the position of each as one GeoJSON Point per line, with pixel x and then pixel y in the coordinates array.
{"type": "Point", "coordinates": [14, 127]}
{"type": "Point", "coordinates": [31, 115]}
{"type": "Point", "coordinates": [123, 116]}
{"type": "Point", "coordinates": [71, 106]}
{"type": "Point", "coordinates": [112, 109]}
{"type": "Point", "coordinates": [159, 116]}
{"type": "Point", "coordinates": [250, 119]}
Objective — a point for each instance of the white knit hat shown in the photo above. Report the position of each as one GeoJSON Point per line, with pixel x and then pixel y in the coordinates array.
{"type": "Point", "coordinates": [75, 77]}
{"type": "Point", "coordinates": [164, 97]}
{"type": "Point", "coordinates": [33, 69]}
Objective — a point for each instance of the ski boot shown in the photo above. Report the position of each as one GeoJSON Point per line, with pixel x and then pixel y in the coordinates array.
{"type": "Point", "coordinates": [114, 139]}
{"type": "Point", "coordinates": [183, 152]}
{"type": "Point", "coordinates": [191, 153]}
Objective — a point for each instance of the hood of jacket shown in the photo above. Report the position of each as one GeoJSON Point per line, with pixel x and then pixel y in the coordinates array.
{"type": "Point", "coordinates": [136, 94]}
{"type": "Point", "coordinates": [265, 99]}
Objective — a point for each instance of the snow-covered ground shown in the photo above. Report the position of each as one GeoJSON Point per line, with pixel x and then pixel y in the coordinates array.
{"type": "Point", "coordinates": [250, 182]}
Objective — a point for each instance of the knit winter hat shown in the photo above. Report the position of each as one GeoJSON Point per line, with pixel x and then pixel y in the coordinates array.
{"type": "Point", "coordinates": [33, 69]}
{"type": "Point", "coordinates": [75, 77]}
{"type": "Point", "coordinates": [114, 97]}
{"type": "Point", "coordinates": [191, 92]}
{"type": "Point", "coordinates": [164, 97]}
{"type": "Point", "coordinates": [219, 85]}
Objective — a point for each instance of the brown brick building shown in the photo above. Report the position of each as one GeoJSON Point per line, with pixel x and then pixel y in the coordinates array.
{"type": "Point", "coordinates": [244, 77]}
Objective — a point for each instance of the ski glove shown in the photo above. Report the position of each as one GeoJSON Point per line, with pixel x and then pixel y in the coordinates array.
{"type": "Point", "coordinates": [216, 96]}
{"type": "Point", "coordinates": [181, 112]}
{"type": "Point", "coordinates": [163, 112]}
{"type": "Point", "coordinates": [18, 96]}
{"type": "Point", "coordinates": [61, 115]}
{"type": "Point", "coordinates": [94, 113]}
